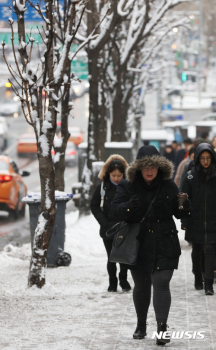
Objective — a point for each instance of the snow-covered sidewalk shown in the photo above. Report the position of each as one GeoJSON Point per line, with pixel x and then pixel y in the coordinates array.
{"type": "Point", "coordinates": [74, 311]}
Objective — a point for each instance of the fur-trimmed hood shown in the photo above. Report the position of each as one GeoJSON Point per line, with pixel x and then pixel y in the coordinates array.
{"type": "Point", "coordinates": [104, 168]}
{"type": "Point", "coordinates": [158, 161]}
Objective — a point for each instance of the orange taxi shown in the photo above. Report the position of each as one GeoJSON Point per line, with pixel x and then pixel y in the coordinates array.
{"type": "Point", "coordinates": [76, 135]}
{"type": "Point", "coordinates": [12, 187]}
{"type": "Point", "coordinates": [27, 144]}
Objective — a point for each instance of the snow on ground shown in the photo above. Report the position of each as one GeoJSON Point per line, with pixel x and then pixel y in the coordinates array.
{"type": "Point", "coordinates": [74, 311]}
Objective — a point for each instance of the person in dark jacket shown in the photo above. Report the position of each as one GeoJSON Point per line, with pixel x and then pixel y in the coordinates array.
{"type": "Point", "coordinates": [149, 176]}
{"type": "Point", "coordinates": [169, 153]}
{"type": "Point", "coordinates": [111, 174]}
{"type": "Point", "coordinates": [200, 185]}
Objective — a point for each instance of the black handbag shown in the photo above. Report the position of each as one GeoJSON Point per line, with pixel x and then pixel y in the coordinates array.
{"type": "Point", "coordinates": [125, 245]}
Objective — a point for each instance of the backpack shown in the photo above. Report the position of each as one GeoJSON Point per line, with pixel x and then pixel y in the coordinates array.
{"type": "Point", "coordinates": [189, 175]}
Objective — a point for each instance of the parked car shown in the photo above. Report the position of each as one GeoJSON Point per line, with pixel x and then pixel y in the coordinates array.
{"type": "Point", "coordinates": [209, 116]}
{"type": "Point", "coordinates": [12, 187]}
{"type": "Point", "coordinates": [78, 89]}
{"type": "Point", "coordinates": [86, 83]}
{"type": "Point", "coordinates": [70, 154]}
{"type": "Point", "coordinates": [10, 107]}
{"type": "Point", "coordinates": [26, 145]}
{"type": "Point", "coordinates": [3, 132]}
{"type": "Point", "coordinates": [76, 135]}
{"type": "Point", "coordinates": [213, 106]}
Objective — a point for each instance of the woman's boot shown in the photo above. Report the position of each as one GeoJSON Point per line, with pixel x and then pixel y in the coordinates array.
{"type": "Point", "coordinates": [140, 331]}
{"type": "Point", "coordinates": [125, 285]}
{"type": "Point", "coordinates": [198, 283]}
{"type": "Point", "coordinates": [209, 286]}
{"type": "Point", "coordinates": [113, 281]}
{"type": "Point", "coordinates": [162, 327]}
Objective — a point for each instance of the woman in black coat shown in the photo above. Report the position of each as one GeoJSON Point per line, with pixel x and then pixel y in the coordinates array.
{"type": "Point", "coordinates": [111, 174]}
{"type": "Point", "coordinates": [200, 185]}
{"type": "Point", "coordinates": [159, 250]}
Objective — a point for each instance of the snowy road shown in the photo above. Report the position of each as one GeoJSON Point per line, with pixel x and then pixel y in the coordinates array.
{"type": "Point", "coordinates": [75, 312]}
{"type": "Point", "coordinates": [18, 232]}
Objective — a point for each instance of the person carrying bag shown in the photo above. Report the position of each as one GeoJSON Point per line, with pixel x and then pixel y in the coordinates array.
{"type": "Point", "coordinates": [149, 179]}
{"type": "Point", "coordinates": [125, 245]}
{"type": "Point", "coordinates": [110, 175]}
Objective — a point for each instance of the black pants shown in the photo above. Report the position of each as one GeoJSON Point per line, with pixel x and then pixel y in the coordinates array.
{"type": "Point", "coordinates": [161, 293]}
{"type": "Point", "coordinates": [111, 267]}
{"type": "Point", "coordinates": [208, 265]}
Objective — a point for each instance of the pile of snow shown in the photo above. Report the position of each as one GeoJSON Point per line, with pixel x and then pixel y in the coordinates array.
{"type": "Point", "coordinates": [82, 241]}
{"type": "Point", "coordinates": [23, 253]}
{"type": "Point", "coordinates": [36, 196]}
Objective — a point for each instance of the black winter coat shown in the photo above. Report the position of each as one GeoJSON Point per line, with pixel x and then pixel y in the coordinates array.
{"type": "Point", "coordinates": [159, 243]}
{"type": "Point", "coordinates": [105, 218]}
{"type": "Point", "coordinates": [201, 225]}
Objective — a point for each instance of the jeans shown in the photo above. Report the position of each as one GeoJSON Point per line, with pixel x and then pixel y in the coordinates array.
{"type": "Point", "coordinates": [161, 293]}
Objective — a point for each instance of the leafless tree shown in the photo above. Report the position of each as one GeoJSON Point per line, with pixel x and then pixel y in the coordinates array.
{"type": "Point", "coordinates": [52, 78]}
{"type": "Point", "coordinates": [121, 41]}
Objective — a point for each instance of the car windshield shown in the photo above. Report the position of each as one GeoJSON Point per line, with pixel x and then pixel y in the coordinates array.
{"type": "Point", "coordinates": [3, 165]}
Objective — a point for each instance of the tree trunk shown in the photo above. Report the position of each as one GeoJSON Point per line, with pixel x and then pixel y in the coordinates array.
{"type": "Point", "coordinates": [121, 101]}
{"type": "Point", "coordinates": [59, 163]}
{"type": "Point", "coordinates": [45, 224]}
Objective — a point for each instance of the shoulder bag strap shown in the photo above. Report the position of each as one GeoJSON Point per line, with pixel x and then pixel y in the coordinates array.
{"type": "Point", "coordinates": [150, 205]}
{"type": "Point", "coordinates": [102, 193]}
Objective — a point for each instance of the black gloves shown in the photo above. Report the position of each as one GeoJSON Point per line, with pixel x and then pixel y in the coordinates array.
{"type": "Point", "coordinates": [134, 202]}
{"type": "Point", "coordinates": [187, 204]}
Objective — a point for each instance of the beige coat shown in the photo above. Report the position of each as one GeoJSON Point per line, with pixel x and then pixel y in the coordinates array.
{"type": "Point", "coordinates": [179, 171]}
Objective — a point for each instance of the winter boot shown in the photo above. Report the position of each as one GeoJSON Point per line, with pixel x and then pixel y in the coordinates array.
{"type": "Point", "coordinates": [162, 327]}
{"type": "Point", "coordinates": [140, 331]}
{"type": "Point", "coordinates": [113, 284]}
{"type": "Point", "coordinates": [198, 283]}
{"type": "Point", "coordinates": [209, 286]}
{"type": "Point", "coordinates": [125, 285]}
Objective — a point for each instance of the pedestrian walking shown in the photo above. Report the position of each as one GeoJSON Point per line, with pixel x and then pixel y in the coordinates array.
{"type": "Point", "coordinates": [200, 185]}
{"type": "Point", "coordinates": [150, 176]}
{"type": "Point", "coordinates": [112, 172]}
{"type": "Point", "coordinates": [183, 166]}
{"type": "Point", "coordinates": [214, 143]}
{"type": "Point", "coordinates": [169, 153]}
{"type": "Point", "coordinates": [183, 153]}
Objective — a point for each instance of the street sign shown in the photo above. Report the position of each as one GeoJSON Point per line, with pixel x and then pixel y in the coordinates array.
{"type": "Point", "coordinates": [31, 14]}
{"type": "Point", "coordinates": [80, 68]}
{"type": "Point", "coordinates": [6, 37]}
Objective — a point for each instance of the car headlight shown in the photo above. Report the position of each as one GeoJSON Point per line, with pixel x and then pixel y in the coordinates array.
{"type": "Point", "coordinates": [76, 90]}
{"type": "Point", "coordinates": [15, 115]}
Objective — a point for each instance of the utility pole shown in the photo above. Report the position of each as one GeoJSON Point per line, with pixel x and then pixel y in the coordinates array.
{"type": "Point", "coordinates": [200, 48]}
